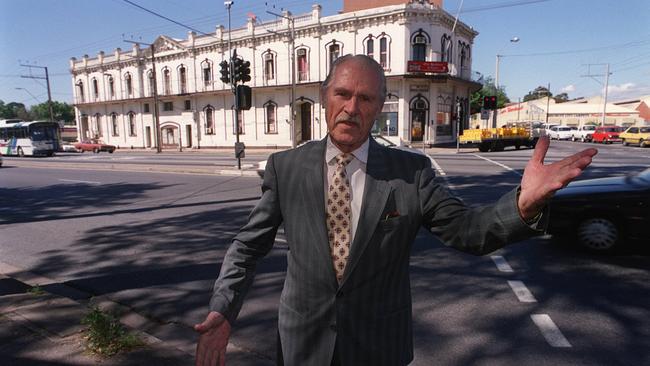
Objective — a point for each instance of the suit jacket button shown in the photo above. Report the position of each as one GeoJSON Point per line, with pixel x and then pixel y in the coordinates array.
{"type": "Point", "coordinates": [333, 327]}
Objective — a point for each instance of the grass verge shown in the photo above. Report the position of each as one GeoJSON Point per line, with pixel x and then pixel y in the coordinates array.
{"type": "Point", "coordinates": [105, 335]}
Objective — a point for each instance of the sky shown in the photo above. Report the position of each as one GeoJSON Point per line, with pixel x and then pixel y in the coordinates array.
{"type": "Point", "coordinates": [558, 39]}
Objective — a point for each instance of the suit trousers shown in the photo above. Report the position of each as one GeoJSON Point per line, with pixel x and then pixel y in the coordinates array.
{"type": "Point", "coordinates": [336, 360]}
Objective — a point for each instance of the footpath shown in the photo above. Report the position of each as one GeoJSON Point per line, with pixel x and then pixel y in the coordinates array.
{"type": "Point", "coordinates": [40, 324]}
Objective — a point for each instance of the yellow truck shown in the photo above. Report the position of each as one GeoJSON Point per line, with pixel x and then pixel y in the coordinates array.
{"type": "Point", "coordinates": [497, 139]}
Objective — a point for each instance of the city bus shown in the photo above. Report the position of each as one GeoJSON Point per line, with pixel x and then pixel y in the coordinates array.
{"type": "Point", "coordinates": [21, 138]}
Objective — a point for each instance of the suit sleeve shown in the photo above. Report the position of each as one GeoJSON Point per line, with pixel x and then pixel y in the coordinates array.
{"type": "Point", "coordinates": [250, 245]}
{"type": "Point", "coordinates": [478, 230]}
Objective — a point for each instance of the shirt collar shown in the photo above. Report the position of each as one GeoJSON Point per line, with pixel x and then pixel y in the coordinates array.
{"type": "Point", "coordinates": [361, 153]}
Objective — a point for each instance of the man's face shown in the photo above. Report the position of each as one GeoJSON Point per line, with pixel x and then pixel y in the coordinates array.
{"type": "Point", "coordinates": [352, 104]}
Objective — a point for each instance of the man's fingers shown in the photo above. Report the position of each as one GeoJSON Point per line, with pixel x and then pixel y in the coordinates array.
{"type": "Point", "coordinates": [577, 159]}
{"type": "Point", "coordinates": [541, 147]}
{"type": "Point", "coordinates": [222, 357]}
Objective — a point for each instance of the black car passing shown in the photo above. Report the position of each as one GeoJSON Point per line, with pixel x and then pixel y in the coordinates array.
{"type": "Point", "coordinates": [601, 214]}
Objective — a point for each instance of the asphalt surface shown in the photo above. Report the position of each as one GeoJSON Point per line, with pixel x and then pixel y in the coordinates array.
{"type": "Point", "coordinates": [152, 242]}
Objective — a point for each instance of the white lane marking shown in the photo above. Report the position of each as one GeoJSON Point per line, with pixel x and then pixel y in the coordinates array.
{"type": "Point", "coordinates": [521, 291]}
{"type": "Point", "coordinates": [437, 166]}
{"type": "Point", "coordinates": [501, 263]}
{"type": "Point", "coordinates": [550, 331]}
{"type": "Point", "coordinates": [499, 164]}
{"type": "Point", "coordinates": [79, 181]}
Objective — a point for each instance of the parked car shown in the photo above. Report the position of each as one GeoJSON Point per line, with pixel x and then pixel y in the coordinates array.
{"type": "Point", "coordinates": [636, 135]}
{"type": "Point", "coordinates": [94, 145]}
{"type": "Point", "coordinates": [0, 160]}
{"type": "Point", "coordinates": [560, 132]}
{"type": "Point", "coordinates": [606, 135]}
{"type": "Point", "coordinates": [601, 214]}
{"type": "Point", "coordinates": [583, 133]}
{"type": "Point", "coordinates": [67, 147]}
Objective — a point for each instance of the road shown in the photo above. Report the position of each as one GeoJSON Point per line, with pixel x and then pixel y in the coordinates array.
{"type": "Point", "coordinates": [154, 242]}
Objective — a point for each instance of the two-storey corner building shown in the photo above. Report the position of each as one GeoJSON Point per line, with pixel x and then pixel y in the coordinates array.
{"type": "Point", "coordinates": [427, 65]}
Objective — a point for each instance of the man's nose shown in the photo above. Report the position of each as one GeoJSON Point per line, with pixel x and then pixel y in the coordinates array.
{"type": "Point", "coordinates": [352, 106]}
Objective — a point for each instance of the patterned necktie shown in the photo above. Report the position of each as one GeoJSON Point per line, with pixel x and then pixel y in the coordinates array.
{"type": "Point", "coordinates": [339, 214]}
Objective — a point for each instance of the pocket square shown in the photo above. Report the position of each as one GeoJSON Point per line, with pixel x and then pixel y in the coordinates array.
{"type": "Point", "coordinates": [391, 215]}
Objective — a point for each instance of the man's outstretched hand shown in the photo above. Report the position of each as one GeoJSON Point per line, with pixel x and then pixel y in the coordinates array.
{"type": "Point", "coordinates": [211, 349]}
{"type": "Point", "coordinates": [540, 181]}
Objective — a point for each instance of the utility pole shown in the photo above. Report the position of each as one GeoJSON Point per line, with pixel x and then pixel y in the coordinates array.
{"type": "Point", "coordinates": [47, 79]}
{"type": "Point", "coordinates": [293, 72]}
{"type": "Point", "coordinates": [606, 75]}
{"type": "Point", "coordinates": [548, 101]}
{"type": "Point", "coordinates": [156, 115]}
{"type": "Point", "coordinates": [233, 84]}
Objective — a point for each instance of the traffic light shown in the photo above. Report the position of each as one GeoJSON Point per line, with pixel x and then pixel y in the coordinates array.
{"type": "Point", "coordinates": [490, 102]}
{"type": "Point", "coordinates": [225, 72]}
{"type": "Point", "coordinates": [243, 97]}
{"type": "Point", "coordinates": [236, 69]}
{"type": "Point", "coordinates": [245, 72]}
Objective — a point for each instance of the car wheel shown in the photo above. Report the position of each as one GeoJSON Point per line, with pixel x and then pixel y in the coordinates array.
{"type": "Point", "coordinates": [642, 143]}
{"type": "Point", "coordinates": [625, 143]}
{"type": "Point", "coordinates": [20, 152]}
{"type": "Point", "coordinates": [96, 150]}
{"type": "Point", "coordinates": [110, 151]}
{"type": "Point", "coordinates": [598, 234]}
{"type": "Point", "coordinates": [573, 139]}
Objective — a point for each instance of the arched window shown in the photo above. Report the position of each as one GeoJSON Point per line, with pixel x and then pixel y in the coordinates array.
{"type": "Point", "coordinates": [268, 58]}
{"type": "Point", "coordinates": [446, 48]}
{"type": "Point", "coordinates": [97, 128]}
{"type": "Point", "coordinates": [128, 83]}
{"type": "Point", "coordinates": [95, 89]}
{"type": "Point", "coordinates": [111, 87]}
{"type": "Point", "coordinates": [209, 120]}
{"type": "Point", "coordinates": [370, 47]}
{"type": "Point", "coordinates": [333, 52]}
{"type": "Point", "coordinates": [463, 58]}
{"type": "Point", "coordinates": [384, 51]}
{"type": "Point", "coordinates": [182, 79]}
{"type": "Point", "coordinates": [152, 82]}
{"type": "Point", "coordinates": [167, 81]}
{"type": "Point", "coordinates": [303, 64]}
{"type": "Point", "coordinates": [132, 131]}
{"type": "Point", "coordinates": [115, 127]}
{"type": "Point", "coordinates": [206, 68]}
{"type": "Point", "coordinates": [419, 108]}
{"type": "Point", "coordinates": [80, 91]}
{"type": "Point", "coordinates": [419, 42]}
{"type": "Point", "coordinates": [271, 125]}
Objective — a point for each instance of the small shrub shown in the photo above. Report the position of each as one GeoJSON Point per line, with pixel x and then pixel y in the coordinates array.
{"type": "Point", "coordinates": [106, 336]}
{"type": "Point", "coordinates": [36, 290]}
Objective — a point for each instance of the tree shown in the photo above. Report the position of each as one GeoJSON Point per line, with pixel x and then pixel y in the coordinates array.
{"type": "Point", "coordinates": [13, 110]}
{"type": "Point", "coordinates": [61, 111]}
{"type": "Point", "coordinates": [539, 92]}
{"type": "Point", "coordinates": [476, 100]}
{"type": "Point", "coordinates": [561, 98]}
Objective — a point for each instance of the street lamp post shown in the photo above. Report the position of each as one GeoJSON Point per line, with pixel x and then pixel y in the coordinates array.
{"type": "Point", "coordinates": [496, 82]}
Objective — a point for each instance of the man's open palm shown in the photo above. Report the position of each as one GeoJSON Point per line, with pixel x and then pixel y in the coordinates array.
{"type": "Point", "coordinates": [211, 349]}
{"type": "Point", "coordinates": [540, 181]}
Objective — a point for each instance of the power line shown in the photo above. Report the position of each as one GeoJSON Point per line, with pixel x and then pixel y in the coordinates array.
{"type": "Point", "coordinates": [502, 5]}
{"type": "Point", "coordinates": [611, 47]}
{"type": "Point", "coordinates": [164, 17]}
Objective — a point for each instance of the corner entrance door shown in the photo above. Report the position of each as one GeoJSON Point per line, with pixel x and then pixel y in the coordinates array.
{"type": "Point", "coordinates": [148, 136]}
{"type": "Point", "coordinates": [305, 122]}
{"type": "Point", "coordinates": [188, 133]}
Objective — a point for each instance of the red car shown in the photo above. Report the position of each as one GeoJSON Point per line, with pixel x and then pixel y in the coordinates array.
{"type": "Point", "coordinates": [607, 135]}
{"type": "Point", "coordinates": [94, 145]}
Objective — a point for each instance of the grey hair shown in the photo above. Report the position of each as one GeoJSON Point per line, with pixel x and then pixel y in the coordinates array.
{"type": "Point", "coordinates": [368, 61]}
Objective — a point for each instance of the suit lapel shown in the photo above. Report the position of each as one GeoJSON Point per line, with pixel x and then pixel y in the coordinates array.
{"type": "Point", "coordinates": [375, 195]}
{"type": "Point", "coordinates": [313, 196]}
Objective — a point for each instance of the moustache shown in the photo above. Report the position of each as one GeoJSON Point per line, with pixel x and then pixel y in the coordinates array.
{"type": "Point", "coordinates": [344, 117]}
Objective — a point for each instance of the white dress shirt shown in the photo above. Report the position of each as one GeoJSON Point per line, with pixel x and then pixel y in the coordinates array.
{"type": "Point", "coordinates": [356, 173]}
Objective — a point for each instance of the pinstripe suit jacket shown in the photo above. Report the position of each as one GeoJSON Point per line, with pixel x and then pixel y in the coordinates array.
{"type": "Point", "coordinates": [369, 314]}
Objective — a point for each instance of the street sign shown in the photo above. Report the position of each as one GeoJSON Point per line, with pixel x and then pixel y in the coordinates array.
{"type": "Point", "coordinates": [485, 114]}
{"type": "Point", "coordinates": [428, 66]}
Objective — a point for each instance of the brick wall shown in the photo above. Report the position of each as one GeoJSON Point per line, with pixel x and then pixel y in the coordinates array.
{"type": "Point", "coordinates": [354, 5]}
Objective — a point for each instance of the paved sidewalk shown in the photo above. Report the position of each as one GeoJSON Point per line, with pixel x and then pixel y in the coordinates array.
{"type": "Point", "coordinates": [44, 329]}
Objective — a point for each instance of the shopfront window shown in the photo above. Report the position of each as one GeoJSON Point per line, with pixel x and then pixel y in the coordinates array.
{"type": "Point", "coordinates": [387, 121]}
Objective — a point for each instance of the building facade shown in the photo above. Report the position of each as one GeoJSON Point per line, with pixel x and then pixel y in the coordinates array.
{"type": "Point", "coordinates": [113, 93]}
{"type": "Point", "coordinates": [574, 113]}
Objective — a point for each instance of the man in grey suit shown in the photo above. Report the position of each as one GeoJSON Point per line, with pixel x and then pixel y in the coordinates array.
{"type": "Point", "coordinates": [351, 210]}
